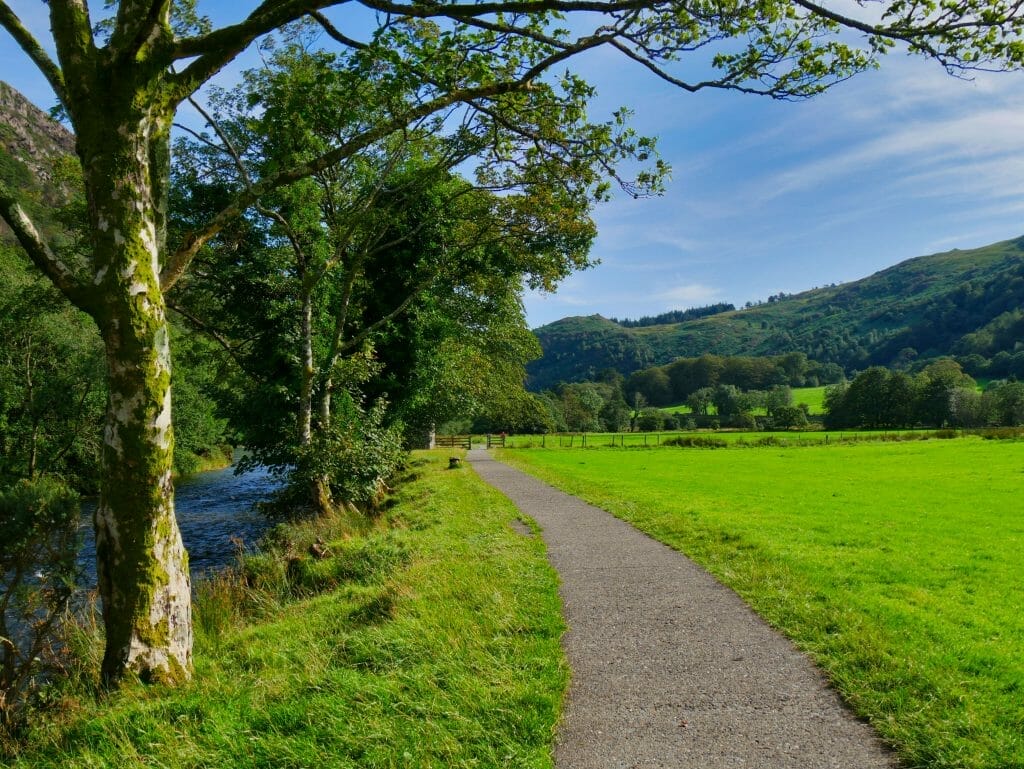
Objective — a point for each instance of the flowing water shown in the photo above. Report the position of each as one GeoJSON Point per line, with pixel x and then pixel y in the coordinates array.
{"type": "Point", "coordinates": [215, 509]}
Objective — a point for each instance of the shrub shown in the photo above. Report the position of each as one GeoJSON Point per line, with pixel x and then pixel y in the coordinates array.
{"type": "Point", "coordinates": [743, 420]}
{"type": "Point", "coordinates": [697, 441]}
{"type": "Point", "coordinates": [1002, 433]}
{"type": "Point", "coordinates": [38, 549]}
{"type": "Point", "coordinates": [649, 420]}
{"type": "Point", "coordinates": [356, 457]}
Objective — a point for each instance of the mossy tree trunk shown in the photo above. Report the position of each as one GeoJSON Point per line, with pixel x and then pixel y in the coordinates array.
{"type": "Point", "coordinates": [142, 564]}
{"type": "Point", "coordinates": [121, 99]}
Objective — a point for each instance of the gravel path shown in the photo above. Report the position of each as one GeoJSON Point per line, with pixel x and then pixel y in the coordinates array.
{"type": "Point", "coordinates": [670, 668]}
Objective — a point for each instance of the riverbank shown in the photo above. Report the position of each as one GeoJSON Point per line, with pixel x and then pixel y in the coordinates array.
{"type": "Point", "coordinates": [428, 639]}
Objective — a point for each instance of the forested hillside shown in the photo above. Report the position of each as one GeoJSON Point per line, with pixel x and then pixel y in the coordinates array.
{"type": "Point", "coordinates": [967, 304]}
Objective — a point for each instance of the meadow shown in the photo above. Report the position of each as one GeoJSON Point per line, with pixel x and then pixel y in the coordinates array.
{"type": "Point", "coordinates": [429, 638]}
{"type": "Point", "coordinates": [896, 565]}
{"type": "Point", "coordinates": [814, 397]}
{"type": "Point", "coordinates": [714, 438]}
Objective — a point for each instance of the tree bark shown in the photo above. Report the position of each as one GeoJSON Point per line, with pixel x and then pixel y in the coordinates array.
{"type": "Point", "coordinates": [141, 561]}
{"type": "Point", "coordinates": [305, 417]}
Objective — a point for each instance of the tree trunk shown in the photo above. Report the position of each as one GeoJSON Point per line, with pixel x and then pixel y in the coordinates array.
{"type": "Point", "coordinates": [141, 561]}
{"type": "Point", "coordinates": [305, 419]}
{"type": "Point", "coordinates": [319, 487]}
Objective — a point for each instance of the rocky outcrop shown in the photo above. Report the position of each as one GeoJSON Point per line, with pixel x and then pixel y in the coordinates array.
{"type": "Point", "coordinates": [31, 136]}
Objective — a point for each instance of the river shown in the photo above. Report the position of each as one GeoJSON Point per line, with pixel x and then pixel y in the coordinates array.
{"type": "Point", "coordinates": [213, 508]}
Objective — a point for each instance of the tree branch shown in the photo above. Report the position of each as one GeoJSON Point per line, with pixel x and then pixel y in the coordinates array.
{"type": "Point", "coordinates": [178, 262]}
{"type": "Point", "coordinates": [476, 10]}
{"type": "Point", "coordinates": [336, 33]}
{"type": "Point", "coordinates": [39, 250]}
{"type": "Point", "coordinates": [205, 328]}
{"type": "Point", "coordinates": [917, 37]}
{"type": "Point", "coordinates": [137, 23]}
{"type": "Point", "coordinates": [402, 306]}
{"type": "Point", "coordinates": [218, 48]}
{"type": "Point", "coordinates": [10, 21]}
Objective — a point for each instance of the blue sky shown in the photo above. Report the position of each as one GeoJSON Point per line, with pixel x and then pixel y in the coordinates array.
{"type": "Point", "coordinates": [767, 196]}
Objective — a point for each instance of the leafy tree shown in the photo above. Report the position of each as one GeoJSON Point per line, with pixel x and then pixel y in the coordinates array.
{"type": "Point", "coordinates": [701, 400]}
{"type": "Point", "coordinates": [553, 407]}
{"type": "Point", "coordinates": [900, 398]}
{"type": "Point", "coordinates": [653, 384]}
{"type": "Point", "coordinates": [969, 408]}
{"type": "Point", "coordinates": [936, 384]}
{"type": "Point", "coordinates": [581, 407]}
{"type": "Point", "coordinates": [790, 417]}
{"type": "Point", "coordinates": [650, 419]}
{"type": "Point", "coordinates": [615, 413]}
{"type": "Point", "coordinates": [729, 400]}
{"type": "Point", "coordinates": [120, 81]}
{"type": "Point", "coordinates": [388, 248]}
{"type": "Point", "coordinates": [1008, 403]}
{"type": "Point", "coordinates": [776, 398]}
{"type": "Point", "coordinates": [51, 393]}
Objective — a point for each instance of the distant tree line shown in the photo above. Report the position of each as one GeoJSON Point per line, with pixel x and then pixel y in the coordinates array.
{"type": "Point", "coordinates": [677, 381]}
{"type": "Point", "coordinates": [940, 395]}
{"type": "Point", "coordinates": [610, 405]}
{"type": "Point", "coordinates": [676, 316]}
{"type": "Point", "coordinates": [598, 406]}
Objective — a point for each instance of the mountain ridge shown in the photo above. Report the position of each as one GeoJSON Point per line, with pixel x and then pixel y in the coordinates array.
{"type": "Point", "coordinates": [964, 302]}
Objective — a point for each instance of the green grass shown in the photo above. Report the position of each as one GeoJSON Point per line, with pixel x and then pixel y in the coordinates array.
{"type": "Point", "coordinates": [725, 437]}
{"type": "Point", "coordinates": [814, 397]}
{"type": "Point", "coordinates": [897, 566]}
{"type": "Point", "coordinates": [438, 646]}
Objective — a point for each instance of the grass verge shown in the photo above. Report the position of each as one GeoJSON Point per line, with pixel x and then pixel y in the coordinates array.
{"type": "Point", "coordinates": [430, 639]}
{"type": "Point", "coordinates": [897, 566]}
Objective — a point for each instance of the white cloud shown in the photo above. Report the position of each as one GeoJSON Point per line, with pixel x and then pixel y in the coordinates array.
{"type": "Point", "coordinates": [689, 292]}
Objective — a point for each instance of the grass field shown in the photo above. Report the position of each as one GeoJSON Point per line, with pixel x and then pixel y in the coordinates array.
{"type": "Point", "coordinates": [898, 566]}
{"type": "Point", "coordinates": [814, 397]}
{"type": "Point", "coordinates": [437, 646]}
{"type": "Point", "coordinates": [711, 438]}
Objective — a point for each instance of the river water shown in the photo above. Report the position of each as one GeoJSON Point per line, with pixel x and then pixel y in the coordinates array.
{"type": "Point", "coordinates": [213, 508]}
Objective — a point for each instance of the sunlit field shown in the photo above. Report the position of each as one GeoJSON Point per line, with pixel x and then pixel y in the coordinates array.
{"type": "Point", "coordinates": [814, 397]}
{"type": "Point", "coordinates": [899, 566]}
{"type": "Point", "coordinates": [712, 438]}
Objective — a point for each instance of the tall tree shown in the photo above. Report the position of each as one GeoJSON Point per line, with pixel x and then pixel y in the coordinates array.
{"type": "Point", "coordinates": [388, 247]}
{"type": "Point", "coordinates": [120, 88]}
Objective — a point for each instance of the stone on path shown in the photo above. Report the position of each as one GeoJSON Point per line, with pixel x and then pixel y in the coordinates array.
{"type": "Point", "coordinates": [670, 668]}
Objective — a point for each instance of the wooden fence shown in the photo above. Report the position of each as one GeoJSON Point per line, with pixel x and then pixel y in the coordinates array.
{"type": "Point", "coordinates": [454, 441]}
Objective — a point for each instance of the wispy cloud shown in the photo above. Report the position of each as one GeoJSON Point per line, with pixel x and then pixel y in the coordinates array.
{"type": "Point", "coordinates": [689, 292]}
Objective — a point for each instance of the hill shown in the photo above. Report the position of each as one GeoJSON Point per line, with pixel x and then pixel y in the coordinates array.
{"type": "Point", "coordinates": [964, 303]}
{"type": "Point", "coordinates": [32, 144]}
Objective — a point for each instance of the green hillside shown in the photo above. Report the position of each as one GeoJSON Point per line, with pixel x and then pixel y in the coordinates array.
{"type": "Point", "coordinates": [969, 304]}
